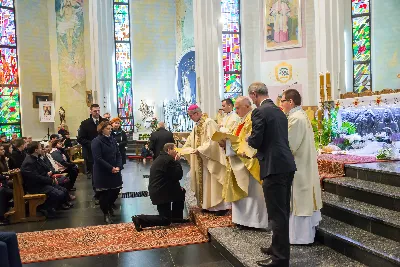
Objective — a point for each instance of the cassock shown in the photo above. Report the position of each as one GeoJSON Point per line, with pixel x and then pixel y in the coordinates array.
{"type": "Point", "coordinates": [242, 184]}
{"type": "Point", "coordinates": [306, 197]}
{"type": "Point", "coordinates": [229, 122]}
{"type": "Point", "coordinates": [207, 170]}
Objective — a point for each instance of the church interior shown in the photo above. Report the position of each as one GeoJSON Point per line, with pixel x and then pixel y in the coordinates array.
{"type": "Point", "coordinates": [189, 67]}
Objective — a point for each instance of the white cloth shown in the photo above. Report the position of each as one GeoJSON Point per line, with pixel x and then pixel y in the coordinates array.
{"type": "Point", "coordinates": [222, 205]}
{"type": "Point", "coordinates": [302, 228]}
{"type": "Point", "coordinates": [251, 211]}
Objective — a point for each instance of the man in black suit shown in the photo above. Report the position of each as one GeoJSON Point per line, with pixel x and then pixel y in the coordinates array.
{"type": "Point", "coordinates": [270, 137]}
{"type": "Point", "coordinates": [18, 154]}
{"type": "Point", "coordinates": [86, 133]}
{"type": "Point", "coordinates": [159, 138]}
{"type": "Point", "coordinates": [165, 191]}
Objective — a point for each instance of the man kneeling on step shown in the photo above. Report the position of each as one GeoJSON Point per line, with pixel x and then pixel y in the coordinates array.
{"type": "Point", "coordinates": [164, 190]}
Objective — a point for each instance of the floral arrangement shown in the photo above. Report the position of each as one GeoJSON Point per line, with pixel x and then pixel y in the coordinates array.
{"type": "Point", "coordinates": [154, 124]}
{"type": "Point", "coordinates": [385, 153]}
{"type": "Point", "coordinates": [138, 126]}
{"type": "Point", "coordinates": [381, 137]}
{"type": "Point", "coordinates": [345, 142]}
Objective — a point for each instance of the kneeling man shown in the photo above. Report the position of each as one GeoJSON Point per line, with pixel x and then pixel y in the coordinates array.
{"type": "Point", "coordinates": [164, 190]}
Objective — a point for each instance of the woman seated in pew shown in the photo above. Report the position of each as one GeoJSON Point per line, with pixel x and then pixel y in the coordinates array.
{"type": "Point", "coordinates": [146, 152]}
{"type": "Point", "coordinates": [6, 194]}
{"type": "Point", "coordinates": [68, 167]}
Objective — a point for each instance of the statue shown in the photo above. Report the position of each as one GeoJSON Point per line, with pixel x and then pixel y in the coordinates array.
{"type": "Point", "coordinates": [365, 123]}
{"type": "Point", "coordinates": [61, 111]}
{"type": "Point", "coordinates": [388, 122]}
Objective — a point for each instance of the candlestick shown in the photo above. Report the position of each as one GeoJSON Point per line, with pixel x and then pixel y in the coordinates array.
{"type": "Point", "coordinates": [319, 115]}
{"type": "Point", "coordinates": [321, 88]}
{"type": "Point", "coordinates": [328, 86]}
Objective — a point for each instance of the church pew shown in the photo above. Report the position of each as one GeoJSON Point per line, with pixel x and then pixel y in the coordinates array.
{"type": "Point", "coordinates": [75, 155]}
{"type": "Point", "coordinates": [18, 213]}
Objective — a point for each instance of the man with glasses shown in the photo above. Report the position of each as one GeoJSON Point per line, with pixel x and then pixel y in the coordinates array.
{"type": "Point", "coordinates": [306, 197]}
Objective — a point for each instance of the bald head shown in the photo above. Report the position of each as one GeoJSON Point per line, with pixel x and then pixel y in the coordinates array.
{"type": "Point", "coordinates": [243, 106]}
{"type": "Point", "coordinates": [161, 124]}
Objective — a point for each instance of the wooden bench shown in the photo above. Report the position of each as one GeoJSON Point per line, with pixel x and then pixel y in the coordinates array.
{"type": "Point", "coordinates": [75, 155]}
{"type": "Point", "coordinates": [18, 212]}
{"type": "Point", "coordinates": [139, 158]}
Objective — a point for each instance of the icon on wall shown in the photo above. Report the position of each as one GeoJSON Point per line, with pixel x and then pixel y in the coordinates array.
{"type": "Point", "coordinates": [283, 72]}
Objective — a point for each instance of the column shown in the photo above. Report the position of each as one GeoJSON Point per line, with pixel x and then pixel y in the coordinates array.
{"type": "Point", "coordinates": [208, 40]}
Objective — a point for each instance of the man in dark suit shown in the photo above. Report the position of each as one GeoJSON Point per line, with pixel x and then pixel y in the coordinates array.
{"type": "Point", "coordinates": [270, 137]}
{"type": "Point", "coordinates": [159, 138]}
{"type": "Point", "coordinates": [18, 154]}
{"type": "Point", "coordinates": [37, 180]}
{"type": "Point", "coordinates": [164, 190]}
{"type": "Point", "coordinates": [86, 133]}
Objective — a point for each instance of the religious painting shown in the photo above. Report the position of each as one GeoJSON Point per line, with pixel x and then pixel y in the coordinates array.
{"type": "Point", "coordinates": [89, 98]}
{"type": "Point", "coordinates": [283, 72]}
{"type": "Point", "coordinates": [38, 97]}
{"type": "Point", "coordinates": [46, 111]}
{"type": "Point", "coordinates": [282, 24]}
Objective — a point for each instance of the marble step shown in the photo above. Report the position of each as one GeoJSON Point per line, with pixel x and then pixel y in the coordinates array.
{"type": "Point", "coordinates": [385, 196]}
{"type": "Point", "coordinates": [365, 216]}
{"type": "Point", "coordinates": [360, 245]}
{"type": "Point", "coordinates": [378, 172]}
{"type": "Point", "coordinates": [242, 248]}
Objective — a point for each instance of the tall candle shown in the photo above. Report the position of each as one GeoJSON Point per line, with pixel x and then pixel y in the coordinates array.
{"type": "Point", "coordinates": [319, 116]}
{"type": "Point", "coordinates": [328, 86]}
{"type": "Point", "coordinates": [322, 88]}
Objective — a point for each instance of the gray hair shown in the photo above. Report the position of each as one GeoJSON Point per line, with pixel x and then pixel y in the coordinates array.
{"type": "Point", "coordinates": [259, 88]}
{"type": "Point", "coordinates": [195, 110]}
{"type": "Point", "coordinates": [245, 100]}
{"type": "Point", "coordinates": [168, 146]}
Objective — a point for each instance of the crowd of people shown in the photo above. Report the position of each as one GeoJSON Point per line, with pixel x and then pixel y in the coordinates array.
{"type": "Point", "coordinates": [264, 169]}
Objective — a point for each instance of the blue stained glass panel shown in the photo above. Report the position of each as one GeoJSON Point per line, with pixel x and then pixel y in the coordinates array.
{"type": "Point", "coordinates": [230, 15]}
{"type": "Point", "coordinates": [7, 27]}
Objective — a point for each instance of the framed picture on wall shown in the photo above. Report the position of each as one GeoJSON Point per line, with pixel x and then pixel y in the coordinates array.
{"type": "Point", "coordinates": [39, 96]}
{"type": "Point", "coordinates": [89, 98]}
{"type": "Point", "coordinates": [282, 24]}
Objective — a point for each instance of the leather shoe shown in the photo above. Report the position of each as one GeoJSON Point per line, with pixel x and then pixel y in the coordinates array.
{"type": "Point", "coordinates": [267, 251]}
{"type": "Point", "coordinates": [136, 223]}
{"type": "Point", "coordinates": [267, 262]}
{"type": "Point", "coordinates": [107, 219]}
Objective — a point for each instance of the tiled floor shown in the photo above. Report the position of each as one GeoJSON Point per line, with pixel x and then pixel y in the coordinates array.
{"type": "Point", "coordinates": [85, 213]}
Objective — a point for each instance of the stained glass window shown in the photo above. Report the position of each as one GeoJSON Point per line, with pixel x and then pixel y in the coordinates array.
{"type": "Point", "coordinates": [361, 19]}
{"type": "Point", "coordinates": [123, 65]}
{"type": "Point", "coordinates": [231, 51]}
{"type": "Point", "coordinates": [10, 118]}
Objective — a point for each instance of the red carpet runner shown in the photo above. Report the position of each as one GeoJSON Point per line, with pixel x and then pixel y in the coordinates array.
{"type": "Point", "coordinates": [110, 239]}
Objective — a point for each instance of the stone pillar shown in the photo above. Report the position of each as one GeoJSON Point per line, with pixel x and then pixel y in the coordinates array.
{"type": "Point", "coordinates": [208, 40]}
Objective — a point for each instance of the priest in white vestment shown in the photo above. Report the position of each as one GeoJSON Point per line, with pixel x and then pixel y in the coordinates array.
{"type": "Point", "coordinates": [242, 183]}
{"type": "Point", "coordinates": [207, 162]}
{"type": "Point", "coordinates": [231, 119]}
{"type": "Point", "coordinates": [306, 197]}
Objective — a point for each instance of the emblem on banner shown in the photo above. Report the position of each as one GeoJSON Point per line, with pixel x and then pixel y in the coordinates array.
{"type": "Point", "coordinates": [283, 72]}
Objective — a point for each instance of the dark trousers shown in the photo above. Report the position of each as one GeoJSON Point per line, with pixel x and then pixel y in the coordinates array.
{"type": "Point", "coordinates": [55, 196]}
{"type": "Point", "coordinates": [72, 175]}
{"type": "Point", "coordinates": [9, 251]}
{"type": "Point", "coordinates": [6, 194]}
{"type": "Point", "coordinates": [277, 190]}
{"type": "Point", "coordinates": [166, 215]}
{"type": "Point", "coordinates": [89, 172]}
{"type": "Point", "coordinates": [107, 199]}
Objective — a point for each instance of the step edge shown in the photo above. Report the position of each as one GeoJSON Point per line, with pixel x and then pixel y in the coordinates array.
{"type": "Point", "coordinates": [371, 170]}
{"type": "Point", "coordinates": [377, 192]}
{"type": "Point", "coordinates": [361, 246]}
{"type": "Point", "coordinates": [361, 214]}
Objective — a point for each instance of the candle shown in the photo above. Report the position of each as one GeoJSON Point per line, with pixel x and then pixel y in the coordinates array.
{"type": "Point", "coordinates": [322, 88]}
{"type": "Point", "coordinates": [328, 85]}
{"type": "Point", "coordinates": [319, 114]}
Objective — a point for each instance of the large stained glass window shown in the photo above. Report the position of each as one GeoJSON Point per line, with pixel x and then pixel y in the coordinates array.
{"type": "Point", "coordinates": [231, 51]}
{"type": "Point", "coordinates": [361, 19]}
{"type": "Point", "coordinates": [123, 65]}
{"type": "Point", "coordinates": [10, 118]}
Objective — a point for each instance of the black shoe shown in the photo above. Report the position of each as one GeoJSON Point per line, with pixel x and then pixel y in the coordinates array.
{"type": "Point", "coordinates": [174, 220]}
{"type": "Point", "coordinates": [136, 223]}
{"type": "Point", "coordinates": [267, 251]}
{"type": "Point", "coordinates": [267, 262]}
{"type": "Point", "coordinates": [65, 207]}
{"type": "Point", "coordinates": [72, 189]}
{"type": "Point", "coordinates": [221, 213]}
{"type": "Point", "coordinates": [107, 219]}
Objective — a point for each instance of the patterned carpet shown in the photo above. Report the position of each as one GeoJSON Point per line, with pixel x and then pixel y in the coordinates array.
{"type": "Point", "coordinates": [103, 239]}
{"type": "Point", "coordinates": [204, 221]}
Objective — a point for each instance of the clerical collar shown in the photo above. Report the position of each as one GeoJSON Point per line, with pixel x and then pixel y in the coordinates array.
{"type": "Point", "coordinates": [230, 113]}
{"type": "Point", "coordinates": [293, 110]}
{"type": "Point", "coordinates": [244, 117]}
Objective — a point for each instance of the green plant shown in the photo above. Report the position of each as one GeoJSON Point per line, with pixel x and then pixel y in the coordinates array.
{"type": "Point", "coordinates": [154, 124]}
{"type": "Point", "coordinates": [348, 128]}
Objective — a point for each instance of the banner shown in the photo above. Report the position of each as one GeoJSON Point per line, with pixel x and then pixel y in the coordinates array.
{"type": "Point", "coordinates": [46, 111]}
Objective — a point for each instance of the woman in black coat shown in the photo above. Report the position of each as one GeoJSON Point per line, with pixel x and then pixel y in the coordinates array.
{"type": "Point", "coordinates": [120, 137]}
{"type": "Point", "coordinates": [107, 166]}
